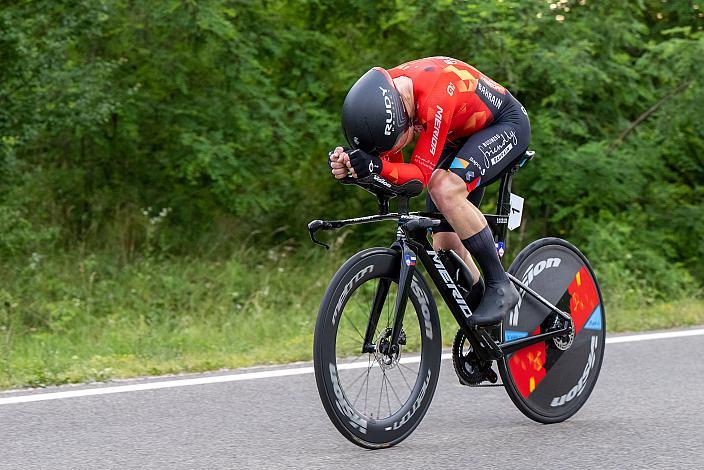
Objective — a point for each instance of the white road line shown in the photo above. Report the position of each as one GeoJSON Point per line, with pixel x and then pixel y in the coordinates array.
{"type": "Point", "coordinates": [650, 336]}
{"type": "Point", "coordinates": [87, 392]}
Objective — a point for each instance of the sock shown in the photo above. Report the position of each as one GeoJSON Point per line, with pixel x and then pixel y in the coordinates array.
{"type": "Point", "coordinates": [482, 247]}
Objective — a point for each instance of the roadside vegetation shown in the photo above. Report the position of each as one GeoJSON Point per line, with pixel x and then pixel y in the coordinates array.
{"type": "Point", "coordinates": [159, 161]}
{"type": "Point", "coordinates": [69, 318]}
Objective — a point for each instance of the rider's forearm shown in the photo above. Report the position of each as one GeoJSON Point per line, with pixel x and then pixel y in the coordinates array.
{"type": "Point", "coordinates": [400, 173]}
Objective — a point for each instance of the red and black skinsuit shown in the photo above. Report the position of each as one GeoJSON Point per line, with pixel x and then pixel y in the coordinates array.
{"type": "Point", "coordinates": [468, 124]}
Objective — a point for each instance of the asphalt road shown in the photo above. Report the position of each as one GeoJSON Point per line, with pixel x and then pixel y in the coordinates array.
{"type": "Point", "coordinates": [647, 411]}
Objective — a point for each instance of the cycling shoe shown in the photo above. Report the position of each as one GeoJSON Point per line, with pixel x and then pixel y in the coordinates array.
{"type": "Point", "coordinates": [499, 298]}
{"type": "Point", "coordinates": [475, 294]}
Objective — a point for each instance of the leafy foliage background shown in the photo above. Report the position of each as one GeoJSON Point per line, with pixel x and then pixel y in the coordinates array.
{"type": "Point", "coordinates": [223, 111]}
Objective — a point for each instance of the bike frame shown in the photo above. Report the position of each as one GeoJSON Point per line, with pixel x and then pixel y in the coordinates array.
{"type": "Point", "coordinates": [412, 244]}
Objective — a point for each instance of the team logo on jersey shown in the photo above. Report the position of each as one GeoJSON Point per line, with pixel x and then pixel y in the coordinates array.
{"type": "Point", "coordinates": [493, 84]}
{"type": "Point", "coordinates": [489, 95]}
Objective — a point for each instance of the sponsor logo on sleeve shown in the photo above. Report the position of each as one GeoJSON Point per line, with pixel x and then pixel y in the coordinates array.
{"type": "Point", "coordinates": [436, 130]}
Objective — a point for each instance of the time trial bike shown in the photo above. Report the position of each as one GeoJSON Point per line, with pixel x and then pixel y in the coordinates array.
{"type": "Point", "coordinates": [378, 347]}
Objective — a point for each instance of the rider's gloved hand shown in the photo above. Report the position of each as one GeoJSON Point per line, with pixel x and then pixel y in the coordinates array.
{"type": "Point", "coordinates": [338, 162]}
{"type": "Point", "coordinates": [364, 164]}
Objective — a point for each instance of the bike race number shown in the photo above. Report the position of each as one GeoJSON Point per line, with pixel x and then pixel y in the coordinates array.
{"type": "Point", "coordinates": [514, 217]}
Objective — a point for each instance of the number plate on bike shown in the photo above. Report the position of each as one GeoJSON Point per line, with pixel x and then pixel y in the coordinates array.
{"type": "Point", "coordinates": [514, 217]}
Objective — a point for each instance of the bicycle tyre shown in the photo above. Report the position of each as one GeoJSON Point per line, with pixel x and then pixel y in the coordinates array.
{"type": "Point", "coordinates": [550, 383]}
{"type": "Point", "coordinates": [371, 433]}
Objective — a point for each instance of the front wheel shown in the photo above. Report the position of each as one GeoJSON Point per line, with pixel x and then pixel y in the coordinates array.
{"type": "Point", "coordinates": [374, 399]}
{"type": "Point", "coordinates": [551, 380]}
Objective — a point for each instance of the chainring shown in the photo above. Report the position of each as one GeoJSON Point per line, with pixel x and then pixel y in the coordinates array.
{"type": "Point", "coordinates": [470, 369]}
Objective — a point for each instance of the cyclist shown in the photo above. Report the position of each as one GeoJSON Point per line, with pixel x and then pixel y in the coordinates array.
{"type": "Point", "coordinates": [470, 130]}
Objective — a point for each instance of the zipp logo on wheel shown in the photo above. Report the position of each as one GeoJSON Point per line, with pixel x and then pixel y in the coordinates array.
{"type": "Point", "coordinates": [414, 408]}
{"type": "Point", "coordinates": [356, 421]}
{"type": "Point", "coordinates": [531, 273]}
{"type": "Point", "coordinates": [348, 288]}
{"type": "Point", "coordinates": [577, 389]}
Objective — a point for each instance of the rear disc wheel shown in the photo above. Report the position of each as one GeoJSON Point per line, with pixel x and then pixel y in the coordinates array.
{"type": "Point", "coordinates": [551, 380]}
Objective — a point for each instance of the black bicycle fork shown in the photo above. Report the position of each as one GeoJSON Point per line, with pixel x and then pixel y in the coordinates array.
{"type": "Point", "coordinates": [407, 226]}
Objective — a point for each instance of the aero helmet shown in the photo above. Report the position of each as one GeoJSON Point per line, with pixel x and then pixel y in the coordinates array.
{"type": "Point", "coordinates": [373, 114]}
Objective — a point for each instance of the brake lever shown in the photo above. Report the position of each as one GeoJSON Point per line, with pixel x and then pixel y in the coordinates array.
{"type": "Point", "coordinates": [314, 227]}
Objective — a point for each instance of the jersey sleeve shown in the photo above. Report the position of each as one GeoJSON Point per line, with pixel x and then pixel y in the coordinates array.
{"type": "Point", "coordinates": [396, 157]}
{"type": "Point", "coordinates": [439, 109]}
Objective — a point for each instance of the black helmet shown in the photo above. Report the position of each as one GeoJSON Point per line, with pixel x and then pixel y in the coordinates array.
{"type": "Point", "coordinates": [373, 115]}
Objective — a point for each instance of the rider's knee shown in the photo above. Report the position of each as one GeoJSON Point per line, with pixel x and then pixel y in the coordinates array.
{"type": "Point", "coordinates": [446, 190]}
{"type": "Point", "coordinates": [448, 241]}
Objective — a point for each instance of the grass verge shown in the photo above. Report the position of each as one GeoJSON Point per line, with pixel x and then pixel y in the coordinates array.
{"type": "Point", "coordinates": [66, 321]}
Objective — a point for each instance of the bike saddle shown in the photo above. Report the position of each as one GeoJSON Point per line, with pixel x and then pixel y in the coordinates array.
{"type": "Point", "coordinates": [526, 157]}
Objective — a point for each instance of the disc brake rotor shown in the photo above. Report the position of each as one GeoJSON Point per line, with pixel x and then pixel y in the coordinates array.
{"type": "Point", "coordinates": [564, 342]}
{"type": "Point", "coordinates": [385, 357]}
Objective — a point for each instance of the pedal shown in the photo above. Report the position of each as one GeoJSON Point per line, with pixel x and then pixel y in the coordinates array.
{"type": "Point", "coordinates": [487, 341]}
{"type": "Point", "coordinates": [491, 376]}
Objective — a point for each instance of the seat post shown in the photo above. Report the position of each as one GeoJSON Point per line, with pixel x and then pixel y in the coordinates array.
{"type": "Point", "coordinates": [503, 205]}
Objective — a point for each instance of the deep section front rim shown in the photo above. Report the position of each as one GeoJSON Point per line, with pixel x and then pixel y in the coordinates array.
{"type": "Point", "coordinates": [345, 378]}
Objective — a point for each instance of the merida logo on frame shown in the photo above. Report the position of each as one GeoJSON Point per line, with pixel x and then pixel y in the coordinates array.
{"type": "Point", "coordinates": [450, 284]}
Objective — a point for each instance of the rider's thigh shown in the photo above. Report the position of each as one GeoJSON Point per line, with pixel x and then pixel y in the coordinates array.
{"type": "Point", "coordinates": [487, 154]}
